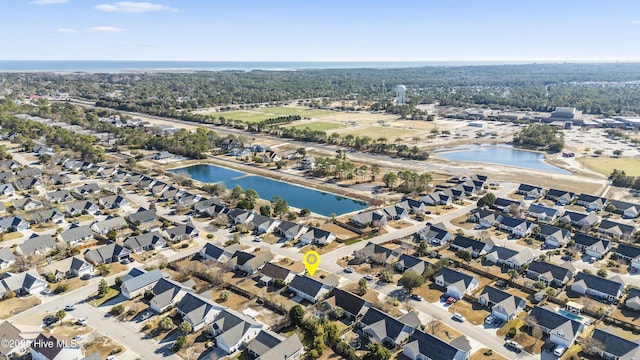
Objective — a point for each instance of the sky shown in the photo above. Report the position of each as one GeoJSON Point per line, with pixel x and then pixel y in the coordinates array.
{"type": "Point", "coordinates": [321, 30]}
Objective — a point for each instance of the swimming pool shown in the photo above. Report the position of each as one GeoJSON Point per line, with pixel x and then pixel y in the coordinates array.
{"type": "Point", "coordinates": [570, 315]}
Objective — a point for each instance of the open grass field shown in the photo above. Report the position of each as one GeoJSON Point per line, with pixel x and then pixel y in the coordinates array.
{"type": "Point", "coordinates": [318, 126]}
{"type": "Point", "coordinates": [376, 132]}
{"type": "Point", "coordinates": [257, 115]}
{"type": "Point", "coordinates": [12, 306]}
{"type": "Point", "coordinates": [605, 165]}
{"type": "Point", "coordinates": [245, 116]}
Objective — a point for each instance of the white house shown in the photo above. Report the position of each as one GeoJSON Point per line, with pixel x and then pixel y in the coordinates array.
{"type": "Point", "coordinates": [456, 283]}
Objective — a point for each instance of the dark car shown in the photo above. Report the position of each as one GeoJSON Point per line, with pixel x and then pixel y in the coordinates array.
{"type": "Point", "coordinates": [50, 319]}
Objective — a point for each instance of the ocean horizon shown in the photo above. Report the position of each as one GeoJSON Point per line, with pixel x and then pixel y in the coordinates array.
{"type": "Point", "coordinates": [108, 66]}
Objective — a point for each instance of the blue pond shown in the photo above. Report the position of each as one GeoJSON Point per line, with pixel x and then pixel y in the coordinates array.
{"type": "Point", "coordinates": [500, 155]}
{"type": "Point", "coordinates": [297, 196]}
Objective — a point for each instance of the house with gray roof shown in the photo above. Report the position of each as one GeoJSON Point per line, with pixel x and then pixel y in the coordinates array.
{"type": "Point", "coordinates": [437, 198]}
{"type": "Point", "coordinates": [353, 305]}
{"type": "Point", "coordinates": [553, 236]}
{"type": "Point", "coordinates": [381, 327]}
{"type": "Point", "coordinates": [261, 224]}
{"type": "Point", "coordinates": [12, 344]}
{"type": "Point", "coordinates": [372, 218]}
{"type": "Point", "coordinates": [204, 204]}
{"type": "Point", "coordinates": [514, 259]}
{"type": "Point", "coordinates": [60, 179]}
{"type": "Point", "coordinates": [271, 272]}
{"type": "Point", "coordinates": [76, 235]}
{"type": "Point", "coordinates": [591, 202]}
{"type": "Point", "coordinates": [240, 216]}
{"type": "Point", "coordinates": [6, 177]}
{"type": "Point", "coordinates": [485, 218]}
{"type": "Point", "coordinates": [579, 220]}
{"type": "Point", "coordinates": [167, 293]}
{"type": "Point", "coordinates": [197, 310]}
{"type": "Point", "coordinates": [26, 183]}
{"type": "Point", "coordinates": [475, 247]}
{"type": "Point", "coordinates": [67, 268]}
{"type": "Point", "coordinates": [434, 234]}
{"type": "Point", "coordinates": [86, 190]}
{"type": "Point", "coordinates": [145, 242]}
{"type": "Point", "coordinates": [217, 252]}
{"type": "Point", "coordinates": [290, 230]}
{"type": "Point", "coordinates": [516, 227]}
{"type": "Point", "coordinates": [27, 204]}
{"type": "Point", "coordinates": [13, 223]}
{"type": "Point", "coordinates": [181, 232]}
{"type": "Point", "coordinates": [7, 258]}
{"type": "Point", "coordinates": [7, 189]}
{"type": "Point", "coordinates": [60, 196]}
{"type": "Point", "coordinates": [422, 345]}
{"type": "Point", "coordinates": [551, 274]}
{"type": "Point", "coordinates": [543, 213]}
{"type": "Point", "coordinates": [317, 236]}
{"type": "Point", "coordinates": [561, 197]}
{"type": "Point", "coordinates": [530, 192]}
{"type": "Point", "coordinates": [103, 227]}
{"type": "Point", "coordinates": [143, 216]}
{"type": "Point", "coordinates": [111, 252]}
{"type": "Point", "coordinates": [36, 245]}
{"type": "Point", "coordinates": [27, 282]}
{"type": "Point", "coordinates": [591, 246]}
{"type": "Point", "coordinates": [412, 206]}
{"type": "Point", "coordinates": [505, 205]}
{"type": "Point", "coordinates": [407, 262]}
{"type": "Point", "coordinates": [599, 287]}
{"type": "Point", "coordinates": [113, 202]}
{"type": "Point", "coordinates": [49, 215]}
{"type": "Point", "coordinates": [268, 345]}
{"type": "Point", "coordinates": [503, 305]}
{"type": "Point", "coordinates": [233, 330]}
{"type": "Point", "coordinates": [377, 254]}
{"type": "Point", "coordinates": [249, 263]}
{"type": "Point", "coordinates": [627, 209]}
{"type": "Point", "coordinates": [616, 229]}
{"type": "Point", "coordinates": [612, 346]}
{"type": "Point", "coordinates": [141, 283]}
{"type": "Point", "coordinates": [79, 267]}
{"type": "Point", "coordinates": [457, 284]}
{"type": "Point", "coordinates": [562, 330]}
{"type": "Point", "coordinates": [633, 299]}
{"type": "Point", "coordinates": [81, 207]}
{"type": "Point", "coordinates": [396, 212]}
{"type": "Point", "coordinates": [310, 289]}
{"type": "Point", "coordinates": [630, 253]}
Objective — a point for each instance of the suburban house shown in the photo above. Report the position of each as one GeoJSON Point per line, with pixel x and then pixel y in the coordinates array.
{"type": "Point", "coordinates": [13, 223]}
{"type": "Point", "coordinates": [269, 345]}
{"type": "Point", "coordinates": [612, 346]}
{"type": "Point", "coordinates": [579, 220]}
{"type": "Point", "coordinates": [630, 253]}
{"type": "Point", "coordinates": [382, 327]}
{"type": "Point", "coordinates": [81, 207]}
{"type": "Point", "coordinates": [60, 196]}
{"type": "Point", "coordinates": [553, 236]}
{"type": "Point", "coordinates": [228, 144]}
{"type": "Point", "coordinates": [551, 274]}
{"type": "Point", "coordinates": [79, 267]}
{"type": "Point", "coordinates": [412, 206]}
{"type": "Point", "coordinates": [138, 285]}
{"type": "Point", "coordinates": [514, 259]}
{"type": "Point", "coordinates": [517, 227]}
{"type": "Point", "coordinates": [76, 235]}
{"type": "Point", "coordinates": [204, 204]}
{"type": "Point", "coordinates": [46, 347]}
{"type": "Point", "coordinates": [591, 246]}
{"type": "Point", "coordinates": [396, 212]}
{"type": "Point", "coordinates": [113, 202]}
{"type": "Point", "coordinates": [475, 247]}
{"type": "Point", "coordinates": [6, 177]}
{"type": "Point", "coordinates": [68, 268]}
{"type": "Point", "coordinates": [373, 218]}
{"type": "Point", "coordinates": [599, 287]}
{"type": "Point", "coordinates": [36, 245]}
{"type": "Point", "coordinates": [86, 190]}
{"type": "Point", "coordinates": [48, 215]}
{"type": "Point", "coordinates": [27, 183]}
{"type": "Point", "coordinates": [249, 263]}
{"type": "Point", "coordinates": [26, 282]}
{"type": "Point", "coordinates": [562, 330]}
{"type": "Point", "coordinates": [616, 229]}
{"type": "Point", "coordinates": [26, 204]}
{"type": "Point", "coordinates": [407, 262]}
{"type": "Point", "coordinates": [181, 232]}
{"type": "Point", "coordinates": [317, 236]}
{"type": "Point", "coordinates": [434, 234]}
{"type": "Point", "coordinates": [591, 202]}
{"type": "Point", "coordinates": [485, 218]}
{"type": "Point", "coordinates": [424, 346]}
{"type": "Point", "coordinates": [353, 305]}
{"type": "Point", "coordinates": [12, 344]}
{"type": "Point", "coordinates": [310, 289]}
{"type": "Point", "coordinates": [233, 330]}
{"type": "Point", "coordinates": [60, 179]}
{"type": "Point", "coordinates": [633, 299]}
{"type": "Point", "coordinates": [290, 230]}
{"type": "Point", "coordinates": [145, 242]}
{"type": "Point", "coordinates": [197, 310]}
{"type": "Point", "coordinates": [377, 254]}
{"type": "Point", "coordinates": [503, 305]}
{"type": "Point", "coordinates": [505, 205]}
{"type": "Point", "coordinates": [456, 283]}
{"type": "Point", "coordinates": [218, 253]}
{"type": "Point", "coordinates": [166, 293]}
{"type": "Point", "coordinates": [7, 189]}
{"type": "Point", "coordinates": [627, 209]}
{"type": "Point", "coordinates": [437, 198]}
{"type": "Point", "coordinates": [561, 197]}
{"type": "Point", "coordinates": [530, 192]}
{"type": "Point", "coordinates": [143, 216]}
{"type": "Point", "coordinates": [271, 272]}
{"type": "Point", "coordinates": [6, 258]}
{"type": "Point", "coordinates": [111, 252]}
{"type": "Point", "coordinates": [261, 224]}
{"type": "Point", "coordinates": [103, 227]}
{"type": "Point", "coordinates": [543, 213]}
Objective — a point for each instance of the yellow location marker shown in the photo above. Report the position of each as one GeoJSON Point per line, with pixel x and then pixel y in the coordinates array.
{"type": "Point", "coordinates": [311, 261]}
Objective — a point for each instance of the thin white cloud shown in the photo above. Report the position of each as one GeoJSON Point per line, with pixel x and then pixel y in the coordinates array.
{"type": "Point", "coordinates": [133, 7]}
{"type": "Point", "coordinates": [49, 2]}
{"type": "Point", "coordinates": [106, 29]}
{"type": "Point", "coordinates": [65, 30]}
{"type": "Point", "coordinates": [635, 21]}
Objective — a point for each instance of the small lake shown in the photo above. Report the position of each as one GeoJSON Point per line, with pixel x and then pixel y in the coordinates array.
{"type": "Point", "coordinates": [297, 196]}
{"type": "Point", "coordinates": [502, 155]}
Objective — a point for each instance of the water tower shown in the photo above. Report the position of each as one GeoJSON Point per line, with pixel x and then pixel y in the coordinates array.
{"type": "Point", "coordinates": [401, 94]}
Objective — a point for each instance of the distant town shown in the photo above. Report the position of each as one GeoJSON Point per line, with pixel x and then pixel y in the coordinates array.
{"type": "Point", "coordinates": [445, 230]}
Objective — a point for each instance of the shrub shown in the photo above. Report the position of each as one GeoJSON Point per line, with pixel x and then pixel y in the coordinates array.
{"type": "Point", "coordinates": [61, 288]}
{"type": "Point", "coordinates": [512, 332]}
{"type": "Point", "coordinates": [209, 236]}
{"type": "Point", "coordinates": [602, 273]}
{"type": "Point", "coordinates": [117, 310]}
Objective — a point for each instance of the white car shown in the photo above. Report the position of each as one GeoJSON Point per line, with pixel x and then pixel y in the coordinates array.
{"type": "Point", "coordinates": [459, 317]}
{"type": "Point", "coordinates": [81, 321]}
{"type": "Point", "coordinates": [349, 270]}
{"type": "Point", "coordinates": [489, 320]}
{"type": "Point", "coordinates": [559, 350]}
{"type": "Point", "coordinates": [145, 316]}
{"type": "Point", "coordinates": [77, 338]}
{"type": "Point", "coordinates": [69, 307]}
{"type": "Point", "coordinates": [368, 277]}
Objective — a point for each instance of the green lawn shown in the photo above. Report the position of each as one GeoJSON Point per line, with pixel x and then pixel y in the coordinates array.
{"type": "Point", "coordinates": [605, 165]}
{"type": "Point", "coordinates": [245, 116]}
{"type": "Point", "coordinates": [376, 132]}
{"type": "Point", "coordinates": [319, 126]}
{"type": "Point", "coordinates": [257, 115]}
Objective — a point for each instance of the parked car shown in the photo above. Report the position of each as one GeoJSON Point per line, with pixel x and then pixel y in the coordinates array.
{"type": "Point", "coordinates": [145, 316]}
{"type": "Point", "coordinates": [497, 322]}
{"type": "Point", "coordinates": [451, 300]}
{"type": "Point", "coordinates": [514, 345]}
{"type": "Point", "coordinates": [125, 261]}
{"type": "Point", "coordinates": [490, 319]}
{"type": "Point", "coordinates": [46, 291]}
{"type": "Point", "coordinates": [416, 297]}
{"type": "Point", "coordinates": [81, 321]}
{"type": "Point", "coordinates": [458, 317]}
{"type": "Point", "coordinates": [559, 350]}
{"type": "Point", "coordinates": [257, 239]}
{"type": "Point", "coordinates": [368, 277]}
{"type": "Point", "coordinates": [49, 319]}
{"type": "Point", "coordinates": [349, 270]}
{"type": "Point", "coordinates": [70, 307]}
